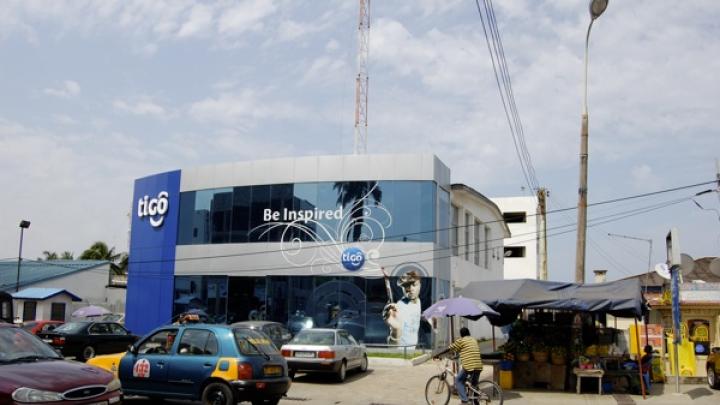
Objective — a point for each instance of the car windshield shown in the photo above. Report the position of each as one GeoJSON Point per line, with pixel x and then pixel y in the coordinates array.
{"type": "Point", "coordinates": [310, 337]}
{"type": "Point", "coordinates": [17, 344]}
{"type": "Point", "coordinates": [71, 327]}
{"type": "Point", "coordinates": [29, 325]}
{"type": "Point", "coordinates": [253, 343]}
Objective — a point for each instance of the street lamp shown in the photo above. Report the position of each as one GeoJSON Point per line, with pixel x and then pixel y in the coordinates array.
{"type": "Point", "coordinates": [597, 7]}
{"type": "Point", "coordinates": [23, 226]}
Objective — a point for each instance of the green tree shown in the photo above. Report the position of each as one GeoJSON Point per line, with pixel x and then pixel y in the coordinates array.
{"type": "Point", "coordinates": [67, 255]}
{"type": "Point", "coordinates": [354, 194]}
{"type": "Point", "coordinates": [100, 251]}
{"type": "Point", "coordinates": [48, 255]}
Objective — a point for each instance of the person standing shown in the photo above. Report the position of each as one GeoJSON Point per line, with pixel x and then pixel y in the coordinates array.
{"type": "Point", "coordinates": [470, 362]}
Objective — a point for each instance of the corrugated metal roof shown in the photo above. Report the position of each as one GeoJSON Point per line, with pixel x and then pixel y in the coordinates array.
{"type": "Point", "coordinates": [36, 293]}
{"type": "Point", "coordinates": [32, 271]}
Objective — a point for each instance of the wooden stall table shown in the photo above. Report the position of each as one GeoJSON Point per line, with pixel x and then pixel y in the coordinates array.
{"type": "Point", "coordinates": [592, 373]}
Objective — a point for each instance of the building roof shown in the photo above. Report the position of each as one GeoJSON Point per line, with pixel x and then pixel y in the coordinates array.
{"type": "Point", "coordinates": [490, 203]}
{"type": "Point", "coordinates": [700, 272]}
{"type": "Point", "coordinates": [35, 293]}
{"type": "Point", "coordinates": [32, 272]}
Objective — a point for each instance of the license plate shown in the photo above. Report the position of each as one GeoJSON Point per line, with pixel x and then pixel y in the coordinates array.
{"type": "Point", "coordinates": [272, 370]}
{"type": "Point", "coordinates": [305, 354]}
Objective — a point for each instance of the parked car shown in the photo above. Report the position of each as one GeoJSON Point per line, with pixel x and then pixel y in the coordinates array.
{"type": "Point", "coordinates": [86, 339]}
{"type": "Point", "coordinates": [277, 332]}
{"type": "Point", "coordinates": [36, 327]}
{"type": "Point", "coordinates": [325, 350]}
{"type": "Point", "coordinates": [712, 365]}
{"type": "Point", "coordinates": [31, 371]}
{"type": "Point", "coordinates": [216, 364]}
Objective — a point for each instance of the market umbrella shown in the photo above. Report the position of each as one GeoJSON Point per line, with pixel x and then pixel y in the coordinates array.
{"type": "Point", "coordinates": [90, 310]}
{"type": "Point", "coordinates": [459, 306]}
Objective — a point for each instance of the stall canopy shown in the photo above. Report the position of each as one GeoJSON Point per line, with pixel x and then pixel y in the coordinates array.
{"type": "Point", "coordinates": [622, 298]}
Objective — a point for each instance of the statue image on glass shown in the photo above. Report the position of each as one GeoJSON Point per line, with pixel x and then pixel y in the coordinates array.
{"type": "Point", "coordinates": [403, 317]}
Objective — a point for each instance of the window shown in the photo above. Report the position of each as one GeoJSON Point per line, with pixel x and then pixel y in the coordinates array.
{"type": "Point", "coordinates": [159, 343]}
{"type": "Point", "coordinates": [57, 311]}
{"type": "Point", "coordinates": [116, 329]}
{"type": "Point", "coordinates": [466, 242]}
{"type": "Point", "coordinates": [99, 329]}
{"type": "Point", "coordinates": [478, 248]}
{"type": "Point", "coordinates": [514, 251]}
{"type": "Point", "coordinates": [515, 217]}
{"type": "Point", "coordinates": [486, 246]}
{"type": "Point", "coordinates": [29, 309]}
{"type": "Point", "coordinates": [455, 231]}
{"type": "Point", "coordinates": [198, 342]}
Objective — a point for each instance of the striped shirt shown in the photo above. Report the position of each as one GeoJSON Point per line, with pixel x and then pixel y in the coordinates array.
{"type": "Point", "coordinates": [469, 353]}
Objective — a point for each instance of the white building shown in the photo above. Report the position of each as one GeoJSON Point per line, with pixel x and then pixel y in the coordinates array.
{"type": "Point", "coordinates": [521, 253]}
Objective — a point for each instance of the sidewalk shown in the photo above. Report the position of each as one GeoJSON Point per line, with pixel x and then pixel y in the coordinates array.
{"type": "Point", "coordinates": [388, 383]}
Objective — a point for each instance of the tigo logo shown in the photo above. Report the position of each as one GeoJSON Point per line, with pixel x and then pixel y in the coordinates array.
{"type": "Point", "coordinates": [155, 208]}
{"type": "Point", "coordinates": [353, 259]}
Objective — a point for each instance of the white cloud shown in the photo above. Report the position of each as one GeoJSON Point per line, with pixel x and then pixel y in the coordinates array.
{"type": "Point", "coordinates": [325, 70]}
{"type": "Point", "coordinates": [141, 107]}
{"type": "Point", "coordinates": [246, 107]}
{"type": "Point", "coordinates": [68, 89]}
{"type": "Point", "coordinates": [245, 16]}
{"type": "Point", "coordinates": [199, 22]}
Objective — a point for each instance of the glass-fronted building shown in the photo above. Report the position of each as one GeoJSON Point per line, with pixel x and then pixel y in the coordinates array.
{"type": "Point", "coordinates": [324, 241]}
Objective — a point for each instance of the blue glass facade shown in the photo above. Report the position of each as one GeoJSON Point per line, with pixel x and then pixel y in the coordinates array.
{"type": "Point", "coordinates": [324, 211]}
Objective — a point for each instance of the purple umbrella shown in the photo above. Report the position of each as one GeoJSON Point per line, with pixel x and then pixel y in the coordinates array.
{"type": "Point", "coordinates": [459, 306]}
{"type": "Point", "coordinates": [91, 310]}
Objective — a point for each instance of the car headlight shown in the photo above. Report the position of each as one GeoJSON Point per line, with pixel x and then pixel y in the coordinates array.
{"type": "Point", "coordinates": [25, 394]}
{"type": "Point", "coordinates": [113, 385]}
{"type": "Point", "coordinates": [308, 324]}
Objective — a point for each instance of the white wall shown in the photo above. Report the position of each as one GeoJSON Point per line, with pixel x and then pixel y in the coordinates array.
{"type": "Point", "coordinates": [44, 307]}
{"type": "Point", "coordinates": [464, 268]}
{"type": "Point", "coordinates": [523, 234]}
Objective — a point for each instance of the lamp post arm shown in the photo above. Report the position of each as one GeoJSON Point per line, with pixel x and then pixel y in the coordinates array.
{"type": "Point", "coordinates": [585, 77]}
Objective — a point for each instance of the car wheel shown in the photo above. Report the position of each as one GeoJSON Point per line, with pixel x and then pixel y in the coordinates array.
{"type": "Point", "coordinates": [364, 364]}
{"type": "Point", "coordinates": [87, 353]}
{"type": "Point", "coordinates": [217, 394]}
{"type": "Point", "coordinates": [342, 372]}
{"type": "Point", "coordinates": [712, 377]}
{"type": "Point", "coordinates": [291, 374]}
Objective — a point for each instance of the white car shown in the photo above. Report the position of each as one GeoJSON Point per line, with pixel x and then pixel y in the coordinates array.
{"type": "Point", "coordinates": [325, 350]}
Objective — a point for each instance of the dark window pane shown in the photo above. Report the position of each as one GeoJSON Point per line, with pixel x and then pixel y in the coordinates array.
{"type": "Point", "coordinates": [260, 203]}
{"type": "Point", "coordinates": [29, 308]}
{"type": "Point", "coordinates": [281, 202]}
{"type": "Point", "coordinates": [515, 217]}
{"type": "Point", "coordinates": [221, 215]}
{"type": "Point", "coordinates": [514, 251]}
{"type": "Point", "coordinates": [57, 311]}
{"type": "Point", "coordinates": [241, 214]}
{"type": "Point", "coordinates": [186, 228]}
{"type": "Point", "coordinates": [306, 199]}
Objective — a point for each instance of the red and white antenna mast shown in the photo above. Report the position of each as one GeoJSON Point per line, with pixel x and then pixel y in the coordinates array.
{"type": "Point", "coordinates": [361, 81]}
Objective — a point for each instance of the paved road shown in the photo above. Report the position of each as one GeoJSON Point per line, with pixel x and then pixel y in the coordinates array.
{"type": "Point", "coordinates": [385, 384]}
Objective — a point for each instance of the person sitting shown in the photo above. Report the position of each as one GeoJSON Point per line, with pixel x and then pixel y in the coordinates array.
{"type": "Point", "coordinates": [646, 366]}
{"type": "Point", "coordinates": [470, 362]}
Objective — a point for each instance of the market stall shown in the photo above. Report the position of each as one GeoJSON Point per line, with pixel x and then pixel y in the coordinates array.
{"type": "Point", "coordinates": [557, 334]}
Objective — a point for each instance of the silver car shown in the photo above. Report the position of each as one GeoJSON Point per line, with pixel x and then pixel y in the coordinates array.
{"type": "Point", "coordinates": [324, 350]}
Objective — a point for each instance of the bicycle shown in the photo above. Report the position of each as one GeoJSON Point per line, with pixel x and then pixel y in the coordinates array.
{"type": "Point", "coordinates": [437, 389]}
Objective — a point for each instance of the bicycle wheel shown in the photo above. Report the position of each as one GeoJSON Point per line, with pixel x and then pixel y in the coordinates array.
{"type": "Point", "coordinates": [487, 392]}
{"type": "Point", "coordinates": [437, 391]}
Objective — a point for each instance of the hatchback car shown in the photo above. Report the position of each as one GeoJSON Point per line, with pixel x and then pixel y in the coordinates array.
{"type": "Point", "coordinates": [325, 350]}
{"type": "Point", "coordinates": [31, 371]}
{"type": "Point", "coordinates": [276, 331]}
{"type": "Point", "coordinates": [216, 364]}
{"type": "Point", "coordinates": [36, 327]}
{"type": "Point", "coordinates": [85, 339]}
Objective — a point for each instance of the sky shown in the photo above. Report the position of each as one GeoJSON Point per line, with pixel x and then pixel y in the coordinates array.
{"type": "Point", "coordinates": [94, 94]}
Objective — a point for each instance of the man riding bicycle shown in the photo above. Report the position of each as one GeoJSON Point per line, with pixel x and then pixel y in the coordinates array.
{"type": "Point", "coordinates": [470, 362]}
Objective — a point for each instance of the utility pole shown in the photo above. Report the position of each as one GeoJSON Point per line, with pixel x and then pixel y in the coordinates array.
{"type": "Point", "coordinates": [361, 81]}
{"type": "Point", "coordinates": [542, 233]}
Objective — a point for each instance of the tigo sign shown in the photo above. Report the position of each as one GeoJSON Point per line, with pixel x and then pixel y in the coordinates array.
{"type": "Point", "coordinates": [155, 208]}
{"type": "Point", "coordinates": [353, 259]}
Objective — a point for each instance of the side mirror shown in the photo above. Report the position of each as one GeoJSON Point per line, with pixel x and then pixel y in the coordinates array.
{"type": "Point", "coordinates": [132, 349]}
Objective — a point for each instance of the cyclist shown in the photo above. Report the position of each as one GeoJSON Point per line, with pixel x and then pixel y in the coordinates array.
{"type": "Point", "coordinates": [470, 362]}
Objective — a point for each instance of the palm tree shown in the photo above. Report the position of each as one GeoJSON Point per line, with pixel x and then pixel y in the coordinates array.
{"type": "Point", "coordinates": [48, 255]}
{"type": "Point", "coordinates": [100, 251]}
{"type": "Point", "coordinates": [353, 194]}
{"type": "Point", "coordinates": [67, 255]}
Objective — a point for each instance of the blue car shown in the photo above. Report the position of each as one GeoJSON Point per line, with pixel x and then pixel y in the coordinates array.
{"type": "Point", "coordinates": [215, 364]}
